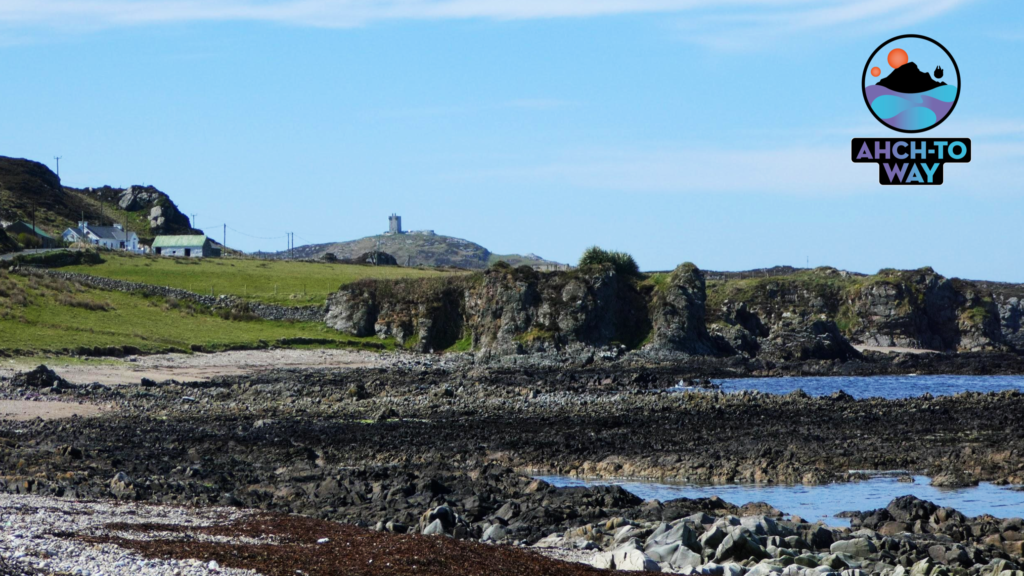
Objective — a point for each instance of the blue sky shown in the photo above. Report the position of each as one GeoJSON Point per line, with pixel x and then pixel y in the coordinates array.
{"type": "Point", "coordinates": [677, 130]}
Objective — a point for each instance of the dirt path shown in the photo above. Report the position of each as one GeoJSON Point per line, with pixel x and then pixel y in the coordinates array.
{"type": "Point", "coordinates": [28, 410]}
{"type": "Point", "coordinates": [190, 367]}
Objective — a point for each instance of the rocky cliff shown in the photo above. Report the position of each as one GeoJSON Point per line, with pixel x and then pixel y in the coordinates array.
{"type": "Point", "coordinates": [31, 191]}
{"type": "Point", "coordinates": [816, 314]}
{"type": "Point", "coordinates": [516, 310]}
{"type": "Point", "coordinates": [149, 211]}
{"type": "Point", "coordinates": [917, 309]}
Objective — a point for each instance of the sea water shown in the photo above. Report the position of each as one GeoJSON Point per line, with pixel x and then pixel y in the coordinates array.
{"type": "Point", "coordinates": [824, 502]}
{"type": "Point", "coordinates": [873, 386]}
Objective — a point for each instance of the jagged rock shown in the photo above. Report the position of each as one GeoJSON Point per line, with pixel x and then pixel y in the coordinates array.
{"type": "Point", "coordinates": [40, 377]}
{"type": "Point", "coordinates": [138, 197]}
{"type": "Point", "coordinates": [953, 479]}
{"type": "Point", "coordinates": [678, 313]}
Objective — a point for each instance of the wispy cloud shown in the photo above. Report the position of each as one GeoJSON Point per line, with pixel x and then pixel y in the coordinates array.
{"type": "Point", "coordinates": [790, 169]}
{"type": "Point", "coordinates": [753, 27]}
{"type": "Point", "coordinates": [348, 13]}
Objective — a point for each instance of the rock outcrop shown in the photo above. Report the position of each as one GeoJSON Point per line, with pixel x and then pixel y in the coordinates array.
{"type": "Point", "coordinates": [678, 313]}
{"type": "Point", "coordinates": [818, 314]}
{"type": "Point", "coordinates": [33, 190]}
{"type": "Point", "coordinates": [810, 315]}
{"type": "Point", "coordinates": [505, 310]}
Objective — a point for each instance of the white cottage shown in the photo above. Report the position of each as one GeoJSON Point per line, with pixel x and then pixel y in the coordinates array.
{"type": "Point", "coordinates": [112, 237]}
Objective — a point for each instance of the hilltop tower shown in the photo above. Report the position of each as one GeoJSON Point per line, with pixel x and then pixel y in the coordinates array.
{"type": "Point", "coordinates": [394, 224]}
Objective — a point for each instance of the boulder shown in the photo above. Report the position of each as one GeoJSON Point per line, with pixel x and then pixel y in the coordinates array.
{"type": "Point", "coordinates": [857, 547]}
{"type": "Point", "coordinates": [434, 528]}
{"type": "Point", "coordinates": [664, 552]}
{"type": "Point", "coordinates": [495, 533]}
{"type": "Point", "coordinates": [685, 558]}
{"type": "Point", "coordinates": [820, 537]}
{"type": "Point", "coordinates": [603, 561]}
{"type": "Point", "coordinates": [739, 546]}
{"type": "Point", "coordinates": [40, 377]}
{"type": "Point", "coordinates": [712, 537]}
{"type": "Point", "coordinates": [635, 561]}
{"type": "Point", "coordinates": [954, 479]}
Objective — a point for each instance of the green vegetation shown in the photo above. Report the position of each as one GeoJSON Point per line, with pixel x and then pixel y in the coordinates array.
{"type": "Point", "coordinates": [536, 334]}
{"type": "Point", "coordinates": [658, 281]}
{"type": "Point", "coordinates": [411, 342]}
{"type": "Point", "coordinates": [282, 282]}
{"type": "Point", "coordinates": [977, 315]}
{"type": "Point", "coordinates": [623, 263]}
{"type": "Point", "coordinates": [823, 282]}
{"type": "Point", "coordinates": [463, 345]}
{"type": "Point", "coordinates": [40, 314]}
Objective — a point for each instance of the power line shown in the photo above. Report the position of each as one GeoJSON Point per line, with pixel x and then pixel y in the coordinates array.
{"type": "Point", "coordinates": [257, 237]}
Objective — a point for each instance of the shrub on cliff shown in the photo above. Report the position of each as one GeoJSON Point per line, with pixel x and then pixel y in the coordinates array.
{"type": "Point", "coordinates": [623, 263]}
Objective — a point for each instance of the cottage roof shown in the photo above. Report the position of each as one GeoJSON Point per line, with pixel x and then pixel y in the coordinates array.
{"type": "Point", "coordinates": [189, 241]}
{"type": "Point", "coordinates": [35, 229]}
{"type": "Point", "coordinates": [108, 233]}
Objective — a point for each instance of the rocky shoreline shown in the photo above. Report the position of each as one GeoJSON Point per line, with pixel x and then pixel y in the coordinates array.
{"type": "Point", "coordinates": [706, 537]}
{"type": "Point", "coordinates": [443, 447]}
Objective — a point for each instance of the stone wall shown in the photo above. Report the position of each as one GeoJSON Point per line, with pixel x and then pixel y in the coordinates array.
{"type": "Point", "coordinates": [264, 311]}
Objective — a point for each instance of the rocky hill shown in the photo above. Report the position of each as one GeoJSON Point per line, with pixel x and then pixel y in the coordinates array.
{"type": "Point", "coordinates": [818, 314]}
{"type": "Point", "coordinates": [29, 188]}
{"type": "Point", "coordinates": [417, 249]}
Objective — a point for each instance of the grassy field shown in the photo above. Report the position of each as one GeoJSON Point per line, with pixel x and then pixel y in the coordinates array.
{"type": "Point", "coordinates": [43, 314]}
{"type": "Point", "coordinates": [271, 281]}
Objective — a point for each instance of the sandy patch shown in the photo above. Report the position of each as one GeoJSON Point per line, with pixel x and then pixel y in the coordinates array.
{"type": "Point", "coordinates": [28, 410]}
{"type": "Point", "coordinates": [192, 367]}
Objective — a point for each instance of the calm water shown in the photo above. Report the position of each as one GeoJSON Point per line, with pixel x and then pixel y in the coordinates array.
{"type": "Point", "coordinates": [824, 502]}
{"type": "Point", "coordinates": [874, 386]}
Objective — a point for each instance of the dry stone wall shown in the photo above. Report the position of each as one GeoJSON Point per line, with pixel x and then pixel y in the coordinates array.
{"type": "Point", "coordinates": [264, 311]}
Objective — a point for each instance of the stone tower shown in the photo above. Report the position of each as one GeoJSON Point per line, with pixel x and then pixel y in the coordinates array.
{"type": "Point", "coordinates": [394, 224]}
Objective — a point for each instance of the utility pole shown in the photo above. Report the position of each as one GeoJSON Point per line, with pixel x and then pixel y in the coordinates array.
{"type": "Point", "coordinates": [194, 222]}
{"type": "Point", "coordinates": [225, 244]}
{"type": "Point", "coordinates": [57, 158]}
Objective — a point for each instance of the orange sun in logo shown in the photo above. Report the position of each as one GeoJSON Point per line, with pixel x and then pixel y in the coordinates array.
{"type": "Point", "coordinates": [898, 57]}
{"type": "Point", "coordinates": [876, 71]}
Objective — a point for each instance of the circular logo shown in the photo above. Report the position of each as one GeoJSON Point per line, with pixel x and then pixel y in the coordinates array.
{"type": "Point", "coordinates": [911, 83]}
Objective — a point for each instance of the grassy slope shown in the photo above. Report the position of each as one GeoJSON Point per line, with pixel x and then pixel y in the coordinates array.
{"type": "Point", "coordinates": [49, 315]}
{"type": "Point", "coordinates": [297, 283]}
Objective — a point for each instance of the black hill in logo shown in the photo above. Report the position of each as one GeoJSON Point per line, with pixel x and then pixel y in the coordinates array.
{"type": "Point", "coordinates": [908, 79]}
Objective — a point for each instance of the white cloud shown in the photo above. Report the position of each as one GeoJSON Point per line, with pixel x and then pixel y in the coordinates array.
{"type": "Point", "coordinates": [347, 13]}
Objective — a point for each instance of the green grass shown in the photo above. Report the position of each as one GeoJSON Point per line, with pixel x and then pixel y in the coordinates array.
{"type": "Point", "coordinates": [47, 315]}
{"type": "Point", "coordinates": [977, 315]}
{"type": "Point", "coordinates": [463, 345]}
{"type": "Point", "coordinates": [272, 281]}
